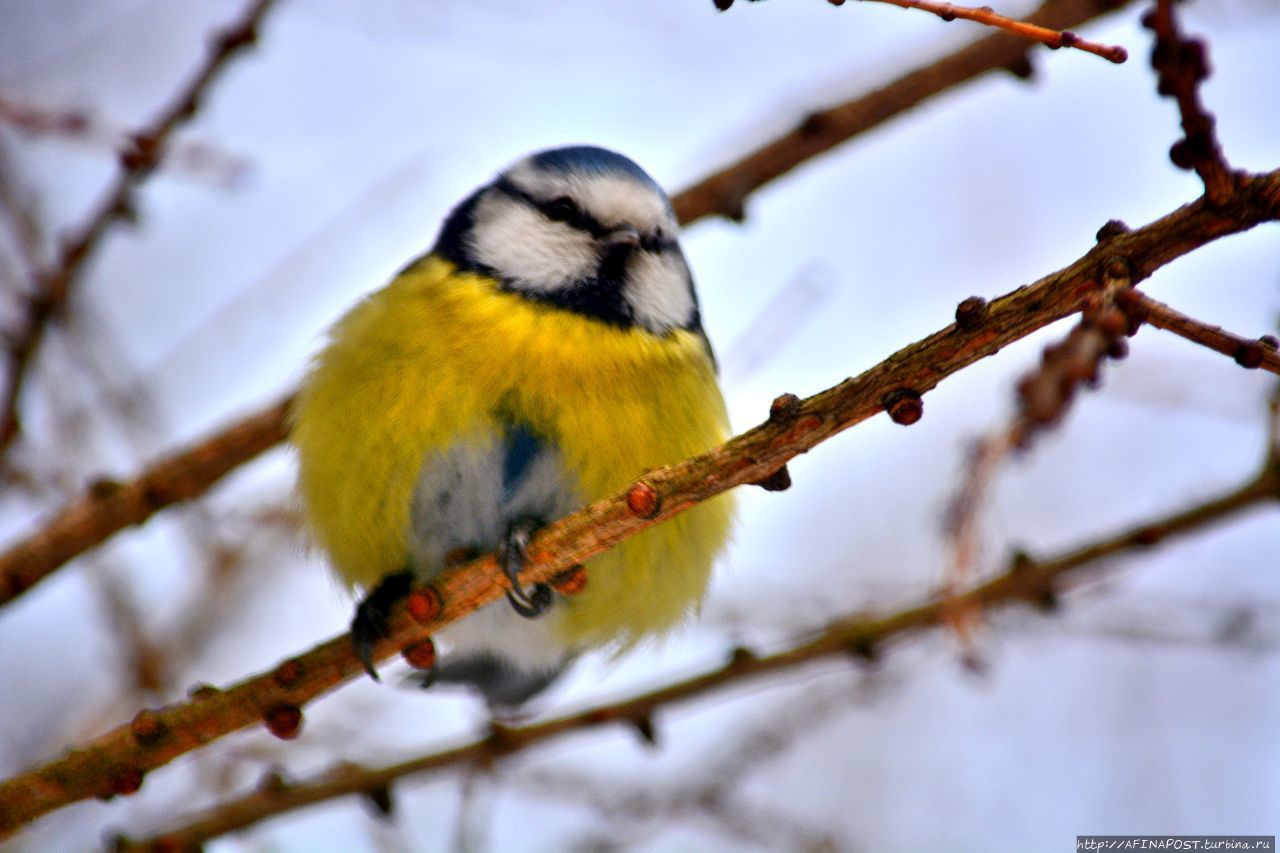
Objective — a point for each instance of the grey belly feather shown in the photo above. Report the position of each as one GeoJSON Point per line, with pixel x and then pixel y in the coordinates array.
{"type": "Point", "coordinates": [466, 499]}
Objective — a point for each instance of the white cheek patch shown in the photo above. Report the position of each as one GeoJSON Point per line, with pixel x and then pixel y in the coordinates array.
{"type": "Point", "coordinates": [526, 248]}
{"type": "Point", "coordinates": [658, 290]}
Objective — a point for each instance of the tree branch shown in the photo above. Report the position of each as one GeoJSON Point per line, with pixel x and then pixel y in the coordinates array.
{"type": "Point", "coordinates": [1043, 397]}
{"type": "Point", "coordinates": [197, 159]}
{"type": "Point", "coordinates": [116, 762]}
{"type": "Point", "coordinates": [32, 559]}
{"type": "Point", "coordinates": [725, 192]}
{"type": "Point", "coordinates": [1258, 353]}
{"type": "Point", "coordinates": [108, 506]}
{"type": "Point", "coordinates": [137, 162]}
{"type": "Point", "coordinates": [1182, 65]}
{"type": "Point", "coordinates": [1051, 38]}
{"type": "Point", "coordinates": [1025, 581]}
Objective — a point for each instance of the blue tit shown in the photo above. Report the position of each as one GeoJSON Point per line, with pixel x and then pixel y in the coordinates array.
{"type": "Point", "coordinates": [544, 353]}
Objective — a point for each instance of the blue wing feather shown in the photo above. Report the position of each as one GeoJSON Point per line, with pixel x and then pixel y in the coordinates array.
{"type": "Point", "coordinates": [520, 448]}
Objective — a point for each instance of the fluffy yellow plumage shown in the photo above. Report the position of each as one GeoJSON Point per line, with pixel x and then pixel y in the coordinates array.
{"type": "Point", "coordinates": [439, 355]}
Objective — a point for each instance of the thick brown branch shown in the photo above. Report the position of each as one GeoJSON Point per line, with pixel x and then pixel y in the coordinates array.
{"type": "Point", "coordinates": [1257, 353]}
{"type": "Point", "coordinates": [725, 192]}
{"type": "Point", "coordinates": [107, 507]}
{"type": "Point", "coordinates": [820, 132]}
{"type": "Point", "coordinates": [116, 761]}
{"type": "Point", "coordinates": [137, 162]}
{"type": "Point", "coordinates": [1026, 581]}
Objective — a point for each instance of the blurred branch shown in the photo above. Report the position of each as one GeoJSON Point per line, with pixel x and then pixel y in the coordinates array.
{"type": "Point", "coordinates": [137, 162]}
{"type": "Point", "coordinates": [631, 811]}
{"type": "Point", "coordinates": [722, 193]}
{"type": "Point", "coordinates": [1273, 425]}
{"type": "Point", "coordinates": [1258, 353]}
{"type": "Point", "coordinates": [1246, 628]}
{"type": "Point", "coordinates": [107, 506]}
{"type": "Point", "coordinates": [1044, 395]}
{"type": "Point", "coordinates": [1026, 581]}
{"type": "Point", "coordinates": [725, 192]}
{"type": "Point", "coordinates": [144, 666]}
{"type": "Point", "coordinates": [194, 158]}
{"type": "Point", "coordinates": [1182, 64]}
{"type": "Point", "coordinates": [773, 326]}
{"type": "Point", "coordinates": [116, 762]}
{"type": "Point", "coordinates": [1049, 37]}
{"type": "Point", "coordinates": [19, 220]}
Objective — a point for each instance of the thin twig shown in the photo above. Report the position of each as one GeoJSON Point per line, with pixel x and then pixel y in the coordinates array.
{"type": "Point", "coordinates": [18, 215]}
{"type": "Point", "coordinates": [722, 193]}
{"type": "Point", "coordinates": [984, 15]}
{"type": "Point", "coordinates": [984, 461]}
{"type": "Point", "coordinates": [725, 193]}
{"type": "Point", "coordinates": [194, 158]}
{"type": "Point", "coordinates": [144, 665]}
{"type": "Point", "coordinates": [1026, 581]}
{"type": "Point", "coordinates": [116, 762]}
{"type": "Point", "coordinates": [137, 162]}
{"type": "Point", "coordinates": [1257, 353]}
{"type": "Point", "coordinates": [1182, 65]}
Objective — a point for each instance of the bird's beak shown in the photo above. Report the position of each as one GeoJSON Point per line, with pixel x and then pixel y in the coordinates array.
{"type": "Point", "coordinates": [625, 237]}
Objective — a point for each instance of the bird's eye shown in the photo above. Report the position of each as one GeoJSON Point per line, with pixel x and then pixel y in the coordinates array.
{"type": "Point", "coordinates": [653, 241]}
{"type": "Point", "coordinates": [561, 209]}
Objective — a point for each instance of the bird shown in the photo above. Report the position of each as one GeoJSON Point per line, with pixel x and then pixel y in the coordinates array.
{"type": "Point", "coordinates": [547, 350]}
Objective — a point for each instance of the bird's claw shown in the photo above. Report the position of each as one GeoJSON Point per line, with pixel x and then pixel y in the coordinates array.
{"type": "Point", "coordinates": [512, 556]}
{"type": "Point", "coordinates": [369, 625]}
{"type": "Point", "coordinates": [533, 604]}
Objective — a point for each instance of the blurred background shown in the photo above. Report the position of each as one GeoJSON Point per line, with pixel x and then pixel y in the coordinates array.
{"type": "Point", "coordinates": [325, 158]}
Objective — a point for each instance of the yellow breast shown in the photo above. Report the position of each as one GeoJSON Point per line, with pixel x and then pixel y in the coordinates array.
{"type": "Point", "coordinates": [434, 356]}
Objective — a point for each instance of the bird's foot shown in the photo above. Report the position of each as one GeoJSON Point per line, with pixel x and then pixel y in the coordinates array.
{"type": "Point", "coordinates": [369, 625]}
{"type": "Point", "coordinates": [512, 555]}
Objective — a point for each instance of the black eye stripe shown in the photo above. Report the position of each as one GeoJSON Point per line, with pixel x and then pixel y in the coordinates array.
{"type": "Point", "coordinates": [657, 244]}
{"type": "Point", "coordinates": [561, 209]}
{"type": "Point", "coordinates": [580, 219]}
